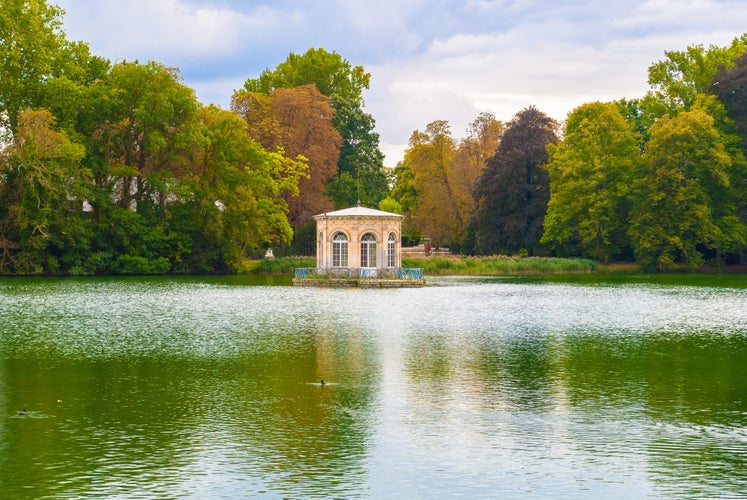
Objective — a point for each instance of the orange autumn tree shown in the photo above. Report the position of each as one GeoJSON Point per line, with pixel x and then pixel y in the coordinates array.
{"type": "Point", "coordinates": [300, 122]}
{"type": "Point", "coordinates": [444, 172]}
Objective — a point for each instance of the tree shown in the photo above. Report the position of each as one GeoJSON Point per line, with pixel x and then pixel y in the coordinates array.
{"type": "Point", "coordinates": [678, 79]}
{"type": "Point", "coordinates": [42, 185]}
{"type": "Point", "coordinates": [686, 80]}
{"type": "Point", "coordinates": [360, 173]}
{"type": "Point", "coordinates": [437, 212]}
{"type": "Point", "coordinates": [34, 53]}
{"type": "Point", "coordinates": [30, 40]}
{"type": "Point", "coordinates": [513, 190]}
{"type": "Point", "coordinates": [233, 201]}
{"type": "Point", "coordinates": [730, 86]}
{"type": "Point", "coordinates": [328, 71]}
{"type": "Point", "coordinates": [590, 173]}
{"type": "Point", "coordinates": [361, 177]}
{"type": "Point", "coordinates": [435, 183]}
{"type": "Point", "coordinates": [473, 151]}
{"type": "Point", "coordinates": [684, 172]}
{"type": "Point", "coordinates": [299, 121]}
{"type": "Point", "coordinates": [404, 193]}
{"type": "Point", "coordinates": [144, 117]}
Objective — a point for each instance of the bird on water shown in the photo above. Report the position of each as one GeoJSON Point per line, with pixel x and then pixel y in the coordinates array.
{"type": "Point", "coordinates": [322, 383]}
{"type": "Point", "coordinates": [23, 412]}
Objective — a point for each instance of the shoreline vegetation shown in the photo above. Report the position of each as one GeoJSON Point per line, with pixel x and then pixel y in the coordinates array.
{"type": "Point", "coordinates": [96, 180]}
{"type": "Point", "coordinates": [452, 265]}
{"type": "Point", "coordinates": [455, 265]}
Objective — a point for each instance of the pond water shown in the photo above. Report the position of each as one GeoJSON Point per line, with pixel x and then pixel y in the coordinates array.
{"type": "Point", "coordinates": [481, 387]}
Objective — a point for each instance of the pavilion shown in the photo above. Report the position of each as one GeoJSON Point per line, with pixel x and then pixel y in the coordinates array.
{"type": "Point", "coordinates": [359, 246]}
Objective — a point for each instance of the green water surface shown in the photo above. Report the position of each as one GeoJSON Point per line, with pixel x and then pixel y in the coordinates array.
{"type": "Point", "coordinates": [524, 387]}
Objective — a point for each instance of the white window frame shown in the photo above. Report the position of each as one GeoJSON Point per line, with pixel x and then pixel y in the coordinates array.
{"type": "Point", "coordinates": [339, 249]}
{"type": "Point", "coordinates": [368, 250]}
{"type": "Point", "coordinates": [392, 251]}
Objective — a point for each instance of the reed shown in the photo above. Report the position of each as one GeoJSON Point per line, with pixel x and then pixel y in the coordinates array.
{"type": "Point", "coordinates": [500, 264]}
{"type": "Point", "coordinates": [453, 265]}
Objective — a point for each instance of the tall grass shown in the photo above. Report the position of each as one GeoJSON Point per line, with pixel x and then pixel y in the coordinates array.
{"type": "Point", "coordinates": [449, 265]}
{"type": "Point", "coordinates": [500, 265]}
{"type": "Point", "coordinates": [282, 265]}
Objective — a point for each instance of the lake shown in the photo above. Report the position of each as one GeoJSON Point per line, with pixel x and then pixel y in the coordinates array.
{"type": "Point", "coordinates": [522, 387]}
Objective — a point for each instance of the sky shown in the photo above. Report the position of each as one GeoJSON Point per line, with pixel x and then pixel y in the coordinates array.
{"type": "Point", "coordinates": [429, 59]}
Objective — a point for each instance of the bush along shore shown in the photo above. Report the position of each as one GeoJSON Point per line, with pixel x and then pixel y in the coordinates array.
{"type": "Point", "coordinates": [453, 265]}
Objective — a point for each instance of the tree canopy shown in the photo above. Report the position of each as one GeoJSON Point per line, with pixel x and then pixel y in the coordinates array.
{"type": "Point", "coordinates": [360, 174]}
{"type": "Point", "coordinates": [117, 168]}
{"type": "Point", "coordinates": [684, 172]}
{"type": "Point", "coordinates": [435, 183]}
{"type": "Point", "coordinates": [670, 185]}
{"type": "Point", "coordinates": [514, 189]}
{"type": "Point", "coordinates": [299, 122]}
{"type": "Point", "coordinates": [590, 175]}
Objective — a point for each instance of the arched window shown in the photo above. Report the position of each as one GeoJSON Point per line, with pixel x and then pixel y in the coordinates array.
{"type": "Point", "coordinates": [339, 250]}
{"type": "Point", "coordinates": [391, 257]}
{"type": "Point", "coordinates": [368, 250]}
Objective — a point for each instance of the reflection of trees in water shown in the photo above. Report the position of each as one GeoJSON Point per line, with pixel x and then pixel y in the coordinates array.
{"type": "Point", "coordinates": [184, 396]}
{"type": "Point", "coordinates": [309, 439]}
{"type": "Point", "coordinates": [676, 400]}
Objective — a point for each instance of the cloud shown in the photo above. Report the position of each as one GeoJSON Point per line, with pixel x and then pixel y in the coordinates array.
{"type": "Point", "coordinates": [175, 32]}
{"type": "Point", "coordinates": [555, 61]}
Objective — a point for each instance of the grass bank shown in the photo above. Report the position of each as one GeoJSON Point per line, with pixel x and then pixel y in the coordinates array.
{"type": "Point", "coordinates": [501, 264]}
{"type": "Point", "coordinates": [453, 265]}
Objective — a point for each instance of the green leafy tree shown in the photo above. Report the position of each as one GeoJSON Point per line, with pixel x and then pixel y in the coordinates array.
{"type": "Point", "coordinates": [361, 177]}
{"type": "Point", "coordinates": [331, 73]}
{"type": "Point", "coordinates": [689, 78]}
{"type": "Point", "coordinates": [38, 65]}
{"type": "Point", "coordinates": [513, 189]}
{"type": "Point", "coordinates": [42, 185]}
{"type": "Point", "coordinates": [360, 172]}
{"type": "Point", "coordinates": [144, 118]}
{"type": "Point", "coordinates": [390, 205]}
{"type": "Point", "coordinates": [684, 172]}
{"type": "Point", "coordinates": [590, 174]}
{"type": "Point", "coordinates": [677, 80]}
{"type": "Point", "coordinates": [233, 203]}
{"type": "Point", "coordinates": [640, 114]}
{"type": "Point", "coordinates": [31, 40]}
{"type": "Point", "coordinates": [404, 194]}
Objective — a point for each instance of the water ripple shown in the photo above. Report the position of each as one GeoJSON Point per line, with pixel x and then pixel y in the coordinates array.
{"type": "Point", "coordinates": [153, 388]}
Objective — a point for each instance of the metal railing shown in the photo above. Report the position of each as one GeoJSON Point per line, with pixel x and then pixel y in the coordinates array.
{"type": "Point", "coordinates": [398, 273]}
